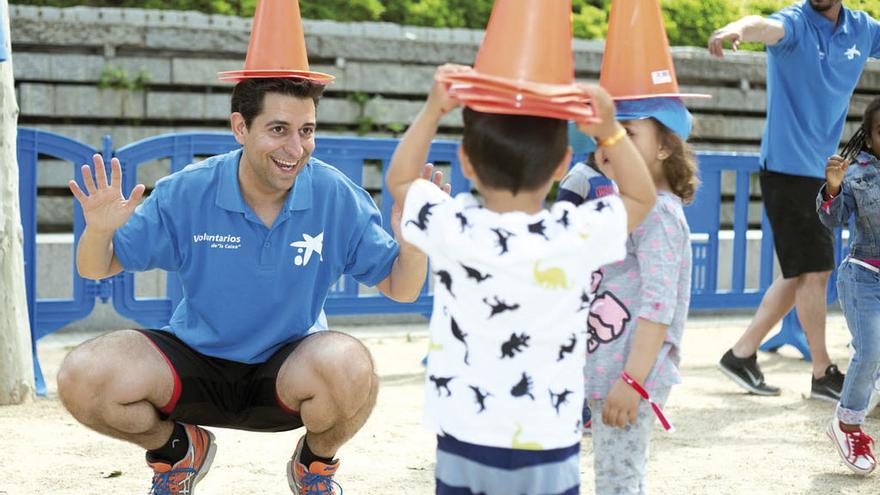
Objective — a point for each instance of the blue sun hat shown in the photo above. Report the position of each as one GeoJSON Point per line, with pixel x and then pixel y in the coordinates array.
{"type": "Point", "coordinates": [670, 112]}
{"type": "Point", "coordinates": [580, 143]}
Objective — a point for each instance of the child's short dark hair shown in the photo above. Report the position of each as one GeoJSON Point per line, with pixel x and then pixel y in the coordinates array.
{"type": "Point", "coordinates": [513, 152]}
{"type": "Point", "coordinates": [248, 95]}
{"type": "Point", "coordinates": [680, 168]}
{"type": "Point", "coordinates": [858, 141]}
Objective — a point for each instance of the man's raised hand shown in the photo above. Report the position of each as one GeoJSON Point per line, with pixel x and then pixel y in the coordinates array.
{"type": "Point", "coordinates": [104, 207]}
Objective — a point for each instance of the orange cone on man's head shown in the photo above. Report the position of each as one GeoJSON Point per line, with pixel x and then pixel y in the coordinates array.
{"type": "Point", "coordinates": [277, 46]}
{"type": "Point", "coordinates": [528, 40]}
{"type": "Point", "coordinates": [637, 62]}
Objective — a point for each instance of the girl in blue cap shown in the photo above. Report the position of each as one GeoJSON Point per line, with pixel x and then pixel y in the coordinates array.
{"type": "Point", "coordinates": [640, 304]}
{"type": "Point", "coordinates": [852, 187]}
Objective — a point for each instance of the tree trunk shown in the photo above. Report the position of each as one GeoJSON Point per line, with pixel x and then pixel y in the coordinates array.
{"type": "Point", "coordinates": [16, 364]}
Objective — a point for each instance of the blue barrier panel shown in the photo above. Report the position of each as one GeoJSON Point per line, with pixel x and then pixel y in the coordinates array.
{"type": "Point", "coordinates": [346, 154]}
{"type": "Point", "coordinates": [48, 315]}
{"type": "Point", "coordinates": [349, 155]}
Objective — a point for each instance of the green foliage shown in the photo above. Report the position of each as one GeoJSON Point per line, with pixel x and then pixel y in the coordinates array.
{"type": "Point", "coordinates": [114, 77]}
{"type": "Point", "coordinates": [589, 20]}
{"type": "Point", "coordinates": [688, 22]}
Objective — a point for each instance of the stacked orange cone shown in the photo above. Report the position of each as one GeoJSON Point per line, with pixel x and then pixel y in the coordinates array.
{"type": "Point", "coordinates": [525, 65]}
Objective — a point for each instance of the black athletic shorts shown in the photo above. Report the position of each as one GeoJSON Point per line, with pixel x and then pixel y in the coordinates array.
{"type": "Point", "coordinates": [802, 243]}
{"type": "Point", "coordinates": [210, 391]}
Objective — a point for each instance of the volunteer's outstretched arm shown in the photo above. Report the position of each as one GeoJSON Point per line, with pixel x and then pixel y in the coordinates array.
{"type": "Point", "coordinates": [105, 209]}
{"type": "Point", "coordinates": [749, 29]}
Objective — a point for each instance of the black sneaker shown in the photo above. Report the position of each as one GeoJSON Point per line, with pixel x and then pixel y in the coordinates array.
{"type": "Point", "coordinates": [829, 386]}
{"type": "Point", "coordinates": [746, 373]}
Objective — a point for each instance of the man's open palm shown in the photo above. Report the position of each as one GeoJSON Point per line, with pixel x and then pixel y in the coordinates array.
{"type": "Point", "coordinates": [104, 207]}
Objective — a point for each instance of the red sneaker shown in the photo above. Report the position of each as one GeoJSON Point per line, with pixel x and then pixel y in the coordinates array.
{"type": "Point", "coordinates": [854, 448]}
{"type": "Point", "coordinates": [316, 479]}
{"type": "Point", "coordinates": [181, 478]}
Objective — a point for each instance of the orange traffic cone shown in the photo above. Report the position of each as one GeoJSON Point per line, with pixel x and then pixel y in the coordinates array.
{"type": "Point", "coordinates": [637, 62]}
{"type": "Point", "coordinates": [525, 65]}
{"type": "Point", "coordinates": [277, 46]}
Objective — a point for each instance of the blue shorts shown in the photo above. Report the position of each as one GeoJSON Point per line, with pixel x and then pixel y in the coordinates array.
{"type": "Point", "coordinates": [469, 469]}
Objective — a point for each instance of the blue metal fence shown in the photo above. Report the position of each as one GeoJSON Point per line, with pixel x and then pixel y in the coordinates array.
{"type": "Point", "coordinates": [349, 155]}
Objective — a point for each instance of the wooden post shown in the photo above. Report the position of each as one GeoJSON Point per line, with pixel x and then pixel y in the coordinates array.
{"type": "Point", "coordinates": [16, 363]}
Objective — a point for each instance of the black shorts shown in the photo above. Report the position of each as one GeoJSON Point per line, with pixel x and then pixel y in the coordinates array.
{"type": "Point", "coordinates": [802, 243]}
{"type": "Point", "coordinates": [210, 391]}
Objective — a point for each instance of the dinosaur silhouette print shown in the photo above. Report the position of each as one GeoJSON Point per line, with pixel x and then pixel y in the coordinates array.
{"type": "Point", "coordinates": [422, 221]}
{"type": "Point", "coordinates": [563, 220]}
{"type": "Point", "coordinates": [523, 387]}
{"type": "Point", "coordinates": [480, 397]}
{"type": "Point", "coordinates": [567, 348]}
{"type": "Point", "coordinates": [514, 345]}
{"type": "Point", "coordinates": [538, 228]}
{"type": "Point", "coordinates": [586, 299]}
{"type": "Point", "coordinates": [503, 237]}
{"type": "Point", "coordinates": [474, 273]}
{"type": "Point", "coordinates": [559, 399]}
{"type": "Point", "coordinates": [551, 278]}
{"type": "Point", "coordinates": [460, 336]}
{"type": "Point", "coordinates": [441, 383]}
{"type": "Point", "coordinates": [446, 280]}
{"type": "Point", "coordinates": [606, 321]}
{"type": "Point", "coordinates": [499, 306]}
{"type": "Point", "coordinates": [464, 221]}
{"type": "Point", "coordinates": [587, 296]}
{"type": "Point", "coordinates": [517, 444]}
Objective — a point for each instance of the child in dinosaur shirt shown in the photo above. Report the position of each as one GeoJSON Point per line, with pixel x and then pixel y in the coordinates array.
{"type": "Point", "coordinates": [505, 371]}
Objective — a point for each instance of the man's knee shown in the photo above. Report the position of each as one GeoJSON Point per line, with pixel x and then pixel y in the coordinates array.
{"type": "Point", "coordinates": [346, 366]}
{"type": "Point", "coordinates": [814, 279]}
{"type": "Point", "coordinates": [107, 369]}
{"type": "Point", "coordinates": [80, 379]}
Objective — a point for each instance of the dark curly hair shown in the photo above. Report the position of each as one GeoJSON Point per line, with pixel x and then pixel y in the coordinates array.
{"type": "Point", "coordinates": [858, 142]}
{"type": "Point", "coordinates": [680, 168]}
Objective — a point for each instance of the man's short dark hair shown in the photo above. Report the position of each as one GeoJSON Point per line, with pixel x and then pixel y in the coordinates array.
{"type": "Point", "coordinates": [513, 152]}
{"type": "Point", "coordinates": [248, 95]}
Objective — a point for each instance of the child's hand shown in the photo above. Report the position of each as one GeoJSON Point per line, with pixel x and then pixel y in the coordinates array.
{"type": "Point", "coordinates": [621, 406]}
{"type": "Point", "coordinates": [835, 169]}
{"type": "Point", "coordinates": [604, 106]}
{"type": "Point", "coordinates": [439, 98]}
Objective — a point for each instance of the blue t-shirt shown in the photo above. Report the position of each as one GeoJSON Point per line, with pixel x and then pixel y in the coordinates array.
{"type": "Point", "coordinates": [249, 289]}
{"type": "Point", "coordinates": [811, 74]}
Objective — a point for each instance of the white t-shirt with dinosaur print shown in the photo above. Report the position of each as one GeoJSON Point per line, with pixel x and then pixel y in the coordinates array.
{"type": "Point", "coordinates": [505, 367]}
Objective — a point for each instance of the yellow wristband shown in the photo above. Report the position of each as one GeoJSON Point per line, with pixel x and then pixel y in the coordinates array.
{"type": "Point", "coordinates": [612, 139]}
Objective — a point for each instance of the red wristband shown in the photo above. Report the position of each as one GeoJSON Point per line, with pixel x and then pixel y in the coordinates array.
{"type": "Point", "coordinates": [644, 393]}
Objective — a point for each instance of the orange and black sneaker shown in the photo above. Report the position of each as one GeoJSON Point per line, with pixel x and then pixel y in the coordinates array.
{"type": "Point", "coordinates": [316, 479]}
{"type": "Point", "coordinates": [181, 478]}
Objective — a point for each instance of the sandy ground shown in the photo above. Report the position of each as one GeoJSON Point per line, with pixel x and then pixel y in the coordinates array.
{"type": "Point", "coordinates": [726, 441]}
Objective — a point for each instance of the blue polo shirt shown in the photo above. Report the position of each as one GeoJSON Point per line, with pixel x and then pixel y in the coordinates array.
{"type": "Point", "coordinates": [249, 289]}
{"type": "Point", "coordinates": [811, 74]}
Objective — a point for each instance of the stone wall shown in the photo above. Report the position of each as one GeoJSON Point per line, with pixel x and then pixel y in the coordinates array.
{"type": "Point", "coordinates": [383, 72]}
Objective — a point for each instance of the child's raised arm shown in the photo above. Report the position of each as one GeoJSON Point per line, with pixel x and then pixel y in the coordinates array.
{"type": "Point", "coordinates": [630, 172]}
{"type": "Point", "coordinates": [412, 151]}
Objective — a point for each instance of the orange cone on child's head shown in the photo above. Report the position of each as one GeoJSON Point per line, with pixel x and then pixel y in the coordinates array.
{"type": "Point", "coordinates": [637, 62]}
{"type": "Point", "coordinates": [277, 46]}
{"type": "Point", "coordinates": [525, 65]}
{"type": "Point", "coordinates": [529, 41]}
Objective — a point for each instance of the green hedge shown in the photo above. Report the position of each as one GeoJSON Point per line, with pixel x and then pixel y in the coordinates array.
{"type": "Point", "coordinates": [688, 22]}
